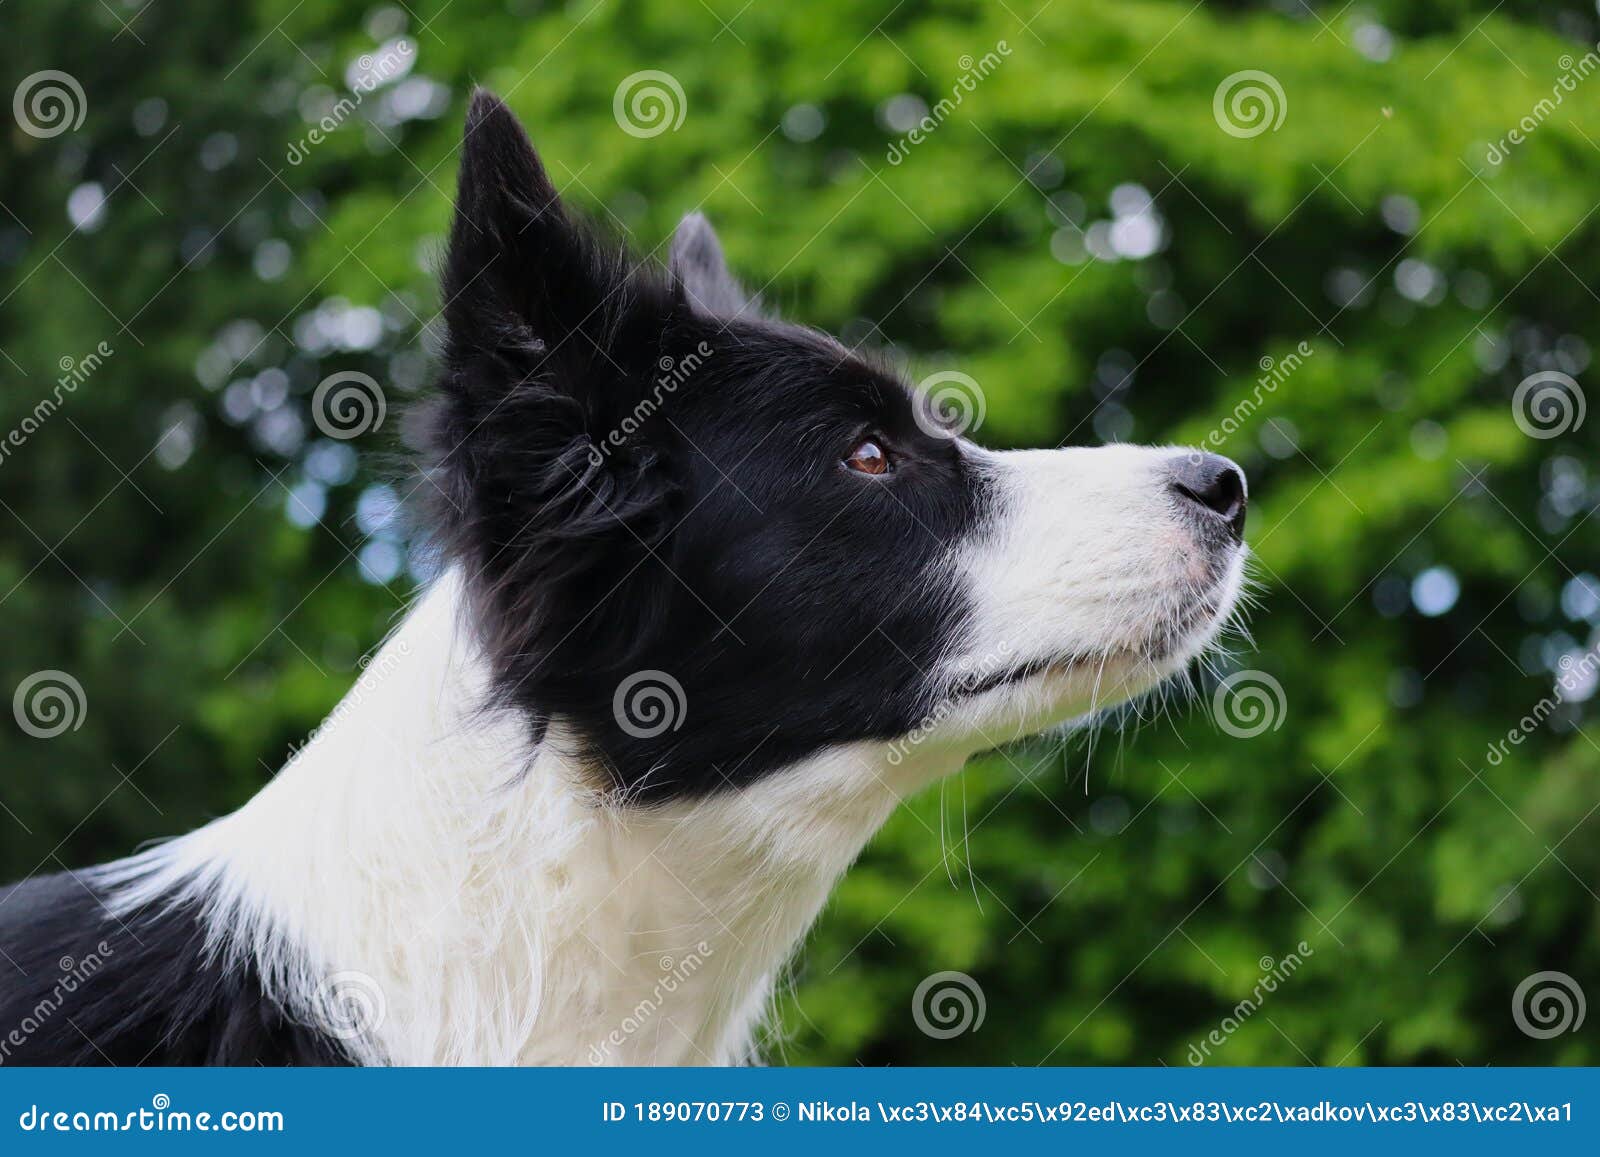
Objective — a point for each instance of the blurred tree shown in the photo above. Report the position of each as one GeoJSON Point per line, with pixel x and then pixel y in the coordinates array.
{"type": "Point", "coordinates": [1337, 268]}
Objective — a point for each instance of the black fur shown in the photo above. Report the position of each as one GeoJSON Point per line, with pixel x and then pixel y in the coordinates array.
{"type": "Point", "coordinates": [719, 539]}
{"type": "Point", "coordinates": [79, 986]}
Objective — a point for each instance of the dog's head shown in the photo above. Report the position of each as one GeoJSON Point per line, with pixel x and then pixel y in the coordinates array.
{"type": "Point", "coordinates": [711, 543]}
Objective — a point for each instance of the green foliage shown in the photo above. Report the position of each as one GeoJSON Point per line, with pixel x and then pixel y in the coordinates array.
{"type": "Point", "coordinates": [1115, 900]}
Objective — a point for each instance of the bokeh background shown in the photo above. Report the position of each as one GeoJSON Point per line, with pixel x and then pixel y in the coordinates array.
{"type": "Point", "coordinates": [1089, 234]}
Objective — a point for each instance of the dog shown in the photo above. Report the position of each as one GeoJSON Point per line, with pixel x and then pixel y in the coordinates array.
{"type": "Point", "coordinates": [719, 592]}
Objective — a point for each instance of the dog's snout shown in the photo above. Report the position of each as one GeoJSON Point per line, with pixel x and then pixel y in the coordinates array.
{"type": "Point", "coordinates": [1213, 483]}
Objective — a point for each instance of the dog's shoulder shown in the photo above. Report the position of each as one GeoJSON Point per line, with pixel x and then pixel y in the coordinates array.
{"type": "Point", "coordinates": [82, 985]}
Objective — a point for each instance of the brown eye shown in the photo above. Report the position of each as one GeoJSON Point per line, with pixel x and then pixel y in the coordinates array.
{"type": "Point", "coordinates": [868, 458]}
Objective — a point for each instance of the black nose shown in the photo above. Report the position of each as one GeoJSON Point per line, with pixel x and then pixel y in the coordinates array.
{"type": "Point", "coordinates": [1212, 482]}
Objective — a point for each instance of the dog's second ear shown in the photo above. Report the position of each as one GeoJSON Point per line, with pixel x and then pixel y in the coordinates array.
{"type": "Point", "coordinates": [701, 271]}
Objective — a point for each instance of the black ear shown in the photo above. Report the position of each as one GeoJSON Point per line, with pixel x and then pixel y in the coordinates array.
{"type": "Point", "coordinates": [548, 332]}
{"type": "Point", "coordinates": [700, 269]}
{"type": "Point", "coordinates": [522, 278]}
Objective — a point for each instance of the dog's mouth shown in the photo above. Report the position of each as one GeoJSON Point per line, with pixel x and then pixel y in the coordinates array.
{"type": "Point", "coordinates": [1168, 644]}
{"type": "Point", "coordinates": [1098, 664]}
{"type": "Point", "coordinates": [1062, 665]}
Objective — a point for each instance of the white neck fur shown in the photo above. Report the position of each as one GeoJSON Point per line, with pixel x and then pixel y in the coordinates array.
{"type": "Point", "coordinates": [421, 879]}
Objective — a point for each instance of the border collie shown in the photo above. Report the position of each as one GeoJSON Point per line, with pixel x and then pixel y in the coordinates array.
{"type": "Point", "coordinates": [720, 593]}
